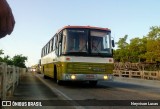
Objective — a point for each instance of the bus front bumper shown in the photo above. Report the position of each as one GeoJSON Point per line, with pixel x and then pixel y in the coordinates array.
{"type": "Point", "coordinates": [88, 77]}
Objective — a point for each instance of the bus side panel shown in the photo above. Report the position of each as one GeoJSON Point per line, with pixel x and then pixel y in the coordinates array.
{"type": "Point", "coordinates": [51, 70]}
{"type": "Point", "coordinates": [47, 70]}
{"type": "Point", "coordinates": [59, 67]}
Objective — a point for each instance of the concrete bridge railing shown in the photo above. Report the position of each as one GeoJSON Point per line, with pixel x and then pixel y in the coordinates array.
{"type": "Point", "coordinates": [150, 75]}
{"type": "Point", "coordinates": [9, 79]}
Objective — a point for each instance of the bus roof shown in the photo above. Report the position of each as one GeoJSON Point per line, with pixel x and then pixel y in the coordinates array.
{"type": "Point", "coordinates": [87, 27]}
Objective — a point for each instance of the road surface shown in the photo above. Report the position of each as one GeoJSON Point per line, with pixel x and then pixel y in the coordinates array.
{"type": "Point", "coordinates": [106, 95]}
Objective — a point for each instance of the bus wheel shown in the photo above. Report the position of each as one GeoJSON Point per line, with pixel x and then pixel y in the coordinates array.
{"type": "Point", "coordinates": [93, 83]}
{"type": "Point", "coordinates": [59, 82]}
{"type": "Point", "coordinates": [45, 77]}
{"type": "Point", "coordinates": [55, 73]}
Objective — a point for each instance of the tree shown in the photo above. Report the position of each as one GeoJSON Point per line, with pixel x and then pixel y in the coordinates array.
{"type": "Point", "coordinates": [153, 44]}
{"type": "Point", "coordinates": [137, 49]}
{"type": "Point", "coordinates": [19, 60]}
{"type": "Point", "coordinates": [1, 52]}
{"type": "Point", "coordinates": [7, 60]}
{"type": "Point", "coordinates": [122, 42]}
{"type": "Point", "coordinates": [122, 54]}
{"type": "Point", "coordinates": [143, 49]}
{"type": "Point", "coordinates": [134, 49]}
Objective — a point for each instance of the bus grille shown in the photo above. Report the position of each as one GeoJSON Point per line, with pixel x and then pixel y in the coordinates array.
{"type": "Point", "coordinates": [89, 68]}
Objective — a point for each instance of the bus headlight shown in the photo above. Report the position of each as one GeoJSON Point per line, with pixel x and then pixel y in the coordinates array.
{"type": "Point", "coordinates": [105, 77]}
{"type": "Point", "coordinates": [73, 77]}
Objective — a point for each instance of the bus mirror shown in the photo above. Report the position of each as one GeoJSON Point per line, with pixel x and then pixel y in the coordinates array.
{"type": "Point", "coordinates": [113, 45]}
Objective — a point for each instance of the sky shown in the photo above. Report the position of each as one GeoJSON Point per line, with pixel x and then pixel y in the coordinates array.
{"type": "Point", "coordinates": [38, 20]}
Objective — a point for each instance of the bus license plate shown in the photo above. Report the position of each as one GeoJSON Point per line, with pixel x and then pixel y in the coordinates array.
{"type": "Point", "coordinates": [90, 76]}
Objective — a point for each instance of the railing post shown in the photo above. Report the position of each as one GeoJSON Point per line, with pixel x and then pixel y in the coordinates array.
{"type": "Point", "coordinates": [120, 73]}
{"type": "Point", "coordinates": [159, 75]}
{"type": "Point", "coordinates": [130, 74]}
{"type": "Point", "coordinates": [9, 79]}
{"type": "Point", "coordinates": [13, 79]}
{"type": "Point", "coordinates": [17, 76]}
{"type": "Point", "coordinates": [143, 74]}
{"type": "Point", "coordinates": [4, 81]}
{"type": "Point", "coordinates": [1, 76]}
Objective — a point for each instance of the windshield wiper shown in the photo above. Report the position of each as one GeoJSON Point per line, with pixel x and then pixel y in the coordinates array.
{"type": "Point", "coordinates": [97, 50]}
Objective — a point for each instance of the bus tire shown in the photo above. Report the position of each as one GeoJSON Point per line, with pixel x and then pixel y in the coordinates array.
{"type": "Point", "coordinates": [93, 83]}
{"type": "Point", "coordinates": [45, 77]}
{"type": "Point", "coordinates": [55, 73]}
{"type": "Point", "coordinates": [59, 82]}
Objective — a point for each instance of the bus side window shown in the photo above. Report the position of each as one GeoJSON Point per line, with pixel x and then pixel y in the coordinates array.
{"type": "Point", "coordinates": [64, 44]}
{"type": "Point", "coordinates": [54, 41]}
{"type": "Point", "coordinates": [42, 53]}
{"type": "Point", "coordinates": [50, 43]}
{"type": "Point", "coordinates": [60, 43]}
{"type": "Point", "coordinates": [48, 47]}
{"type": "Point", "coordinates": [45, 49]}
{"type": "Point", "coordinates": [60, 37]}
{"type": "Point", "coordinates": [56, 44]}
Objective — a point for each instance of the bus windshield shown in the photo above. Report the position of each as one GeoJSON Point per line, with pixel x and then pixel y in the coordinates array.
{"type": "Point", "coordinates": [87, 42]}
{"type": "Point", "coordinates": [100, 42]}
{"type": "Point", "coordinates": [77, 41]}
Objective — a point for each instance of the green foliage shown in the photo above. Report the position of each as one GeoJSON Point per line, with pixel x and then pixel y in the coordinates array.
{"type": "Point", "coordinates": [1, 52]}
{"type": "Point", "coordinates": [17, 60]}
{"type": "Point", "coordinates": [139, 49]}
{"type": "Point", "coordinates": [7, 60]}
{"type": "Point", "coordinates": [121, 54]}
{"type": "Point", "coordinates": [153, 44]}
{"type": "Point", "coordinates": [122, 42]}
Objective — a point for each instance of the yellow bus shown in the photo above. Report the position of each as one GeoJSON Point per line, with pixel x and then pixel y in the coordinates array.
{"type": "Point", "coordinates": [79, 53]}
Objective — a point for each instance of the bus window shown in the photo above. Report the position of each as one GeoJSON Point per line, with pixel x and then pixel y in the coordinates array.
{"type": "Point", "coordinates": [64, 44]}
{"type": "Point", "coordinates": [42, 53]}
{"type": "Point", "coordinates": [72, 46]}
{"type": "Point", "coordinates": [50, 46]}
{"type": "Point", "coordinates": [56, 41]}
{"type": "Point", "coordinates": [44, 50]}
{"type": "Point", "coordinates": [96, 44]}
{"type": "Point", "coordinates": [82, 44]}
{"type": "Point", "coordinates": [100, 42]}
{"type": "Point", "coordinates": [76, 41]}
{"type": "Point", "coordinates": [52, 43]}
{"type": "Point", "coordinates": [47, 49]}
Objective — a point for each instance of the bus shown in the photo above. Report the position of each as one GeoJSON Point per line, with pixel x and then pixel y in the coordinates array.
{"type": "Point", "coordinates": [79, 53]}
